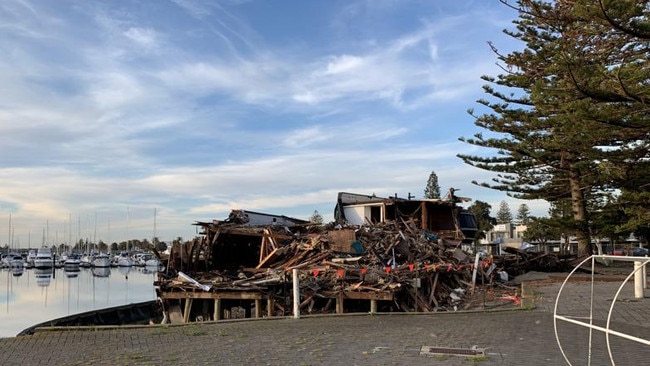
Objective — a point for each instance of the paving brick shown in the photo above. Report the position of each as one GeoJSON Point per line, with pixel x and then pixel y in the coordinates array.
{"type": "Point", "coordinates": [515, 337]}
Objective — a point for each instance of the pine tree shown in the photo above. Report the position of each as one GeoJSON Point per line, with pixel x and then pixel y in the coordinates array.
{"type": "Point", "coordinates": [316, 218]}
{"type": "Point", "coordinates": [432, 190]}
{"type": "Point", "coordinates": [484, 222]}
{"type": "Point", "coordinates": [558, 130]}
{"type": "Point", "coordinates": [504, 215]}
{"type": "Point", "coordinates": [523, 214]}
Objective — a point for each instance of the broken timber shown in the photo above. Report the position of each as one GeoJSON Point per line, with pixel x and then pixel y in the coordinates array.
{"type": "Point", "coordinates": [410, 259]}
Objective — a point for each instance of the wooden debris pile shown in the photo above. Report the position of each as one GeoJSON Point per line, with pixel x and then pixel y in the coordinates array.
{"type": "Point", "coordinates": [396, 264]}
{"type": "Point", "coordinates": [521, 261]}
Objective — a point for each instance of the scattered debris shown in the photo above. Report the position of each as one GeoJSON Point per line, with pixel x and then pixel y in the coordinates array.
{"type": "Point", "coordinates": [381, 255]}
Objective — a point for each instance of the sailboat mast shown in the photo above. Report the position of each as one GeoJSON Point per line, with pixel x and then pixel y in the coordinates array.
{"type": "Point", "coordinates": [9, 237]}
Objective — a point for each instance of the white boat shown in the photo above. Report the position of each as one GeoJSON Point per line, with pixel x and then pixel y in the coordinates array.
{"type": "Point", "coordinates": [29, 262]}
{"type": "Point", "coordinates": [12, 260]}
{"type": "Point", "coordinates": [151, 261]}
{"type": "Point", "coordinates": [101, 260]}
{"type": "Point", "coordinates": [86, 261]}
{"type": "Point", "coordinates": [124, 260]}
{"type": "Point", "coordinates": [44, 258]}
{"type": "Point", "coordinates": [72, 260]}
{"type": "Point", "coordinates": [16, 261]}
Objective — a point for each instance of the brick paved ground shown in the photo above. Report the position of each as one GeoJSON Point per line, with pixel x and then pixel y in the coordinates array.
{"type": "Point", "coordinates": [519, 337]}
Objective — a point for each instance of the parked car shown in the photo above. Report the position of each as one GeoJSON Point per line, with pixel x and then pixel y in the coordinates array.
{"type": "Point", "coordinates": [640, 252]}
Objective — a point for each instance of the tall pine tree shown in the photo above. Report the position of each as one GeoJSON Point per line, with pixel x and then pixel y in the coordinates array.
{"type": "Point", "coordinates": [432, 189]}
{"type": "Point", "coordinates": [554, 141]}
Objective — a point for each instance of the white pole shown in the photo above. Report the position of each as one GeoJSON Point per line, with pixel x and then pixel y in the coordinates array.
{"type": "Point", "coordinates": [478, 256]}
{"type": "Point", "coordinates": [644, 276]}
{"type": "Point", "coordinates": [296, 295]}
{"type": "Point", "coordinates": [638, 280]}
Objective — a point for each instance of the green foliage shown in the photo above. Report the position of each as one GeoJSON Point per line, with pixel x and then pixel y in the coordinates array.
{"type": "Point", "coordinates": [567, 119]}
{"type": "Point", "coordinates": [316, 218]}
{"type": "Point", "coordinates": [432, 190]}
{"type": "Point", "coordinates": [504, 215]}
{"type": "Point", "coordinates": [481, 211]}
{"type": "Point", "coordinates": [541, 230]}
{"type": "Point", "coordinates": [523, 214]}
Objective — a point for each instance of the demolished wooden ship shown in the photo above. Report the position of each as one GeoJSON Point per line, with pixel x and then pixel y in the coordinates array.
{"type": "Point", "coordinates": [379, 255]}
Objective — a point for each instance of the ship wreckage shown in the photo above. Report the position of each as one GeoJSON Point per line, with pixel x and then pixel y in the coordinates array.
{"type": "Point", "coordinates": [379, 255]}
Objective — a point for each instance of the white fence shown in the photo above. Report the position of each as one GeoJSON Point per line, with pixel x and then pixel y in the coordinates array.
{"type": "Point", "coordinates": [600, 302]}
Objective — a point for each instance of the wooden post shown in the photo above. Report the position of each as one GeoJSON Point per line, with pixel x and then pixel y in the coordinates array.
{"type": "Point", "coordinates": [188, 307]}
{"type": "Point", "coordinates": [217, 309]}
{"type": "Point", "coordinates": [258, 308]}
{"type": "Point", "coordinates": [425, 216]}
{"type": "Point", "coordinates": [373, 306]}
{"type": "Point", "coordinates": [270, 304]}
{"type": "Point", "coordinates": [339, 303]}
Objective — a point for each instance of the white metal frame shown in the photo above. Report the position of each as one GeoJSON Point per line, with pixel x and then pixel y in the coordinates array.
{"type": "Point", "coordinates": [580, 321]}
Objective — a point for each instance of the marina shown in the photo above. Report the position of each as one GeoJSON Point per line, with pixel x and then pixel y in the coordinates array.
{"type": "Point", "coordinates": [36, 295]}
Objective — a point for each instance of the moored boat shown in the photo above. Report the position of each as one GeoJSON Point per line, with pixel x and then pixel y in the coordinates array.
{"type": "Point", "coordinates": [13, 260]}
{"type": "Point", "coordinates": [124, 260]}
{"type": "Point", "coordinates": [101, 260]}
{"type": "Point", "coordinates": [72, 260]}
{"type": "Point", "coordinates": [44, 258]}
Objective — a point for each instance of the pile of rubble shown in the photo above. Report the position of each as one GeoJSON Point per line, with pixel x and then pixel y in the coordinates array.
{"type": "Point", "coordinates": [410, 268]}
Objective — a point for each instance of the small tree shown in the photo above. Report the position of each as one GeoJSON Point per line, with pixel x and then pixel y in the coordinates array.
{"type": "Point", "coordinates": [523, 214]}
{"type": "Point", "coordinates": [540, 231]}
{"type": "Point", "coordinates": [484, 222]}
{"type": "Point", "coordinates": [504, 215]}
{"type": "Point", "coordinates": [316, 218]}
{"type": "Point", "coordinates": [432, 190]}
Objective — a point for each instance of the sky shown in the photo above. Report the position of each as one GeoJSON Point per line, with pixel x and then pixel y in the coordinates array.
{"type": "Point", "coordinates": [131, 119]}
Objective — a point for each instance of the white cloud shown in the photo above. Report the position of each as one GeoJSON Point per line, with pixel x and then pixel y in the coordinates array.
{"type": "Point", "coordinates": [344, 64]}
{"type": "Point", "coordinates": [143, 37]}
{"type": "Point", "coordinates": [200, 111]}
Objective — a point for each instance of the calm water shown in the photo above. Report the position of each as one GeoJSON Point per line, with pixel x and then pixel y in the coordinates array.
{"type": "Point", "coordinates": [36, 295]}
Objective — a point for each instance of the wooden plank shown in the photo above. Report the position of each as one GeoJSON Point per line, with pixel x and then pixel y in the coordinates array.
{"type": "Point", "coordinates": [357, 295]}
{"type": "Point", "coordinates": [268, 234]}
{"type": "Point", "coordinates": [186, 312]}
{"type": "Point", "coordinates": [268, 258]}
{"type": "Point", "coordinates": [368, 295]}
{"type": "Point", "coordinates": [263, 253]}
{"type": "Point", "coordinates": [341, 240]}
{"type": "Point", "coordinates": [213, 295]}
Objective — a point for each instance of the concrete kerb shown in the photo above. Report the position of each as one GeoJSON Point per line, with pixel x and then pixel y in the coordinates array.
{"type": "Point", "coordinates": [96, 328]}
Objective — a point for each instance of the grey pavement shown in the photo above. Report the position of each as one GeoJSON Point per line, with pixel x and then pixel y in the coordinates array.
{"type": "Point", "coordinates": [509, 337]}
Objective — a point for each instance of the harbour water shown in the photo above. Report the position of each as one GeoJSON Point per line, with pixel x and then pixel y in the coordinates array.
{"type": "Point", "coordinates": [38, 295]}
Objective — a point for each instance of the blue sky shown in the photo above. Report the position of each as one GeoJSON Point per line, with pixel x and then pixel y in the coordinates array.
{"type": "Point", "coordinates": [111, 109]}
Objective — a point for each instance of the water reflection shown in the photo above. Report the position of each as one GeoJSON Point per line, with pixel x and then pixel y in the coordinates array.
{"type": "Point", "coordinates": [43, 276]}
{"type": "Point", "coordinates": [124, 271]}
{"type": "Point", "coordinates": [71, 272]}
{"type": "Point", "coordinates": [44, 294]}
{"type": "Point", "coordinates": [17, 271]}
{"type": "Point", "coordinates": [101, 271]}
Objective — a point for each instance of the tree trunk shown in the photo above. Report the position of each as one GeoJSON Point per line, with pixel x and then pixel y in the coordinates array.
{"type": "Point", "coordinates": [579, 214]}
